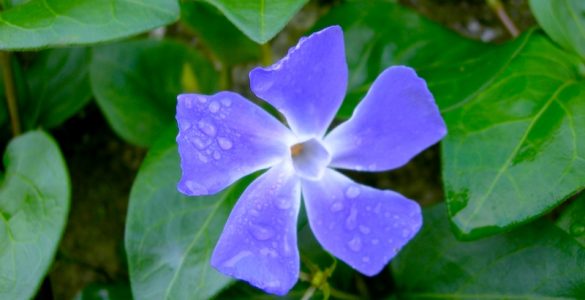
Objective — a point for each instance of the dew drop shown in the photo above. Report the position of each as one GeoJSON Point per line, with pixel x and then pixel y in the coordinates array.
{"type": "Point", "coordinates": [375, 242]}
{"type": "Point", "coordinates": [355, 244]}
{"type": "Point", "coordinates": [283, 203]}
{"type": "Point", "coordinates": [214, 107]}
{"type": "Point", "coordinates": [188, 103]}
{"type": "Point", "coordinates": [336, 206]}
{"type": "Point", "coordinates": [268, 252]}
{"type": "Point", "coordinates": [202, 157]}
{"type": "Point", "coordinates": [207, 128]}
{"type": "Point", "coordinates": [261, 233]}
{"type": "Point", "coordinates": [216, 155]}
{"type": "Point", "coordinates": [236, 258]}
{"type": "Point", "coordinates": [351, 221]}
{"type": "Point", "coordinates": [364, 229]}
{"type": "Point", "coordinates": [202, 99]}
{"type": "Point", "coordinates": [224, 143]}
{"type": "Point", "coordinates": [226, 102]}
{"type": "Point", "coordinates": [200, 144]}
{"type": "Point", "coordinates": [365, 259]}
{"type": "Point", "coordinates": [352, 192]}
{"type": "Point", "coordinates": [405, 233]}
{"type": "Point", "coordinates": [185, 125]}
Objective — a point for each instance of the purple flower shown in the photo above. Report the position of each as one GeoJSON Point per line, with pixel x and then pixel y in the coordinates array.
{"type": "Point", "coordinates": [224, 137]}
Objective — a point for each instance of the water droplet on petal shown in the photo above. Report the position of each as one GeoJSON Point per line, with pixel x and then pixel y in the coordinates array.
{"type": "Point", "coordinates": [405, 233]}
{"type": "Point", "coordinates": [283, 203]}
{"type": "Point", "coordinates": [365, 259]}
{"type": "Point", "coordinates": [184, 125]}
{"type": "Point", "coordinates": [364, 229]}
{"type": "Point", "coordinates": [268, 252]}
{"type": "Point", "coordinates": [273, 284]}
{"type": "Point", "coordinates": [202, 157]}
{"type": "Point", "coordinates": [355, 244]}
{"type": "Point", "coordinates": [214, 107]}
{"type": "Point", "coordinates": [226, 102]}
{"type": "Point", "coordinates": [352, 192]}
{"type": "Point", "coordinates": [230, 263]}
{"type": "Point", "coordinates": [375, 242]}
{"type": "Point", "coordinates": [188, 103]}
{"type": "Point", "coordinates": [336, 206]}
{"type": "Point", "coordinates": [351, 221]}
{"type": "Point", "coordinates": [200, 144]}
{"type": "Point", "coordinates": [216, 155]}
{"type": "Point", "coordinates": [206, 128]}
{"type": "Point", "coordinates": [261, 233]}
{"type": "Point", "coordinates": [224, 143]}
{"type": "Point", "coordinates": [202, 99]}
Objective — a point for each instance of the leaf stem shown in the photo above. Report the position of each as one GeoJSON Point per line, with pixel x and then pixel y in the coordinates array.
{"type": "Point", "coordinates": [10, 91]}
{"type": "Point", "coordinates": [498, 7]}
{"type": "Point", "coordinates": [266, 54]}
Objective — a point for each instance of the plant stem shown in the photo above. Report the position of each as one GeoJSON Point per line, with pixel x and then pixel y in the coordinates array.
{"type": "Point", "coordinates": [498, 8]}
{"type": "Point", "coordinates": [266, 54]}
{"type": "Point", "coordinates": [10, 91]}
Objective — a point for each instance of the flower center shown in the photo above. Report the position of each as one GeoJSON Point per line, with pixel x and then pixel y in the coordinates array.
{"type": "Point", "coordinates": [310, 159]}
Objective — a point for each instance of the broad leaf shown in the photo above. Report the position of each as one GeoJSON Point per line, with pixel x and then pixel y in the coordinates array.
{"type": "Point", "coordinates": [512, 111]}
{"type": "Point", "coordinates": [572, 219]}
{"type": "Point", "coordinates": [136, 84]}
{"type": "Point", "coordinates": [170, 237]}
{"type": "Point", "coordinates": [229, 44]}
{"type": "Point", "coordinates": [563, 21]}
{"type": "Point", "coordinates": [34, 202]}
{"type": "Point", "coordinates": [537, 261]}
{"type": "Point", "coordinates": [260, 20]}
{"type": "Point", "coordinates": [48, 23]}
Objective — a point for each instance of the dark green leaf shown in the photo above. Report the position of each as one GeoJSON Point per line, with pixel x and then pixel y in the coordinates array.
{"type": "Point", "coordinates": [47, 23]}
{"type": "Point", "coordinates": [170, 237]}
{"type": "Point", "coordinates": [572, 219]}
{"type": "Point", "coordinates": [243, 291]}
{"type": "Point", "coordinates": [260, 20]}
{"type": "Point", "coordinates": [563, 21]}
{"type": "Point", "coordinates": [223, 38]}
{"type": "Point", "coordinates": [513, 150]}
{"type": "Point", "coordinates": [58, 84]}
{"type": "Point", "coordinates": [105, 292]}
{"type": "Point", "coordinates": [538, 261]}
{"type": "Point", "coordinates": [34, 202]}
{"type": "Point", "coordinates": [136, 84]}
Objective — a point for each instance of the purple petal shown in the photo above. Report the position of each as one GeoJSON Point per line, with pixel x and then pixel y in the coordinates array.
{"type": "Point", "coordinates": [309, 84]}
{"type": "Point", "coordinates": [223, 138]}
{"type": "Point", "coordinates": [259, 240]}
{"type": "Point", "coordinates": [360, 225]}
{"type": "Point", "coordinates": [396, 120]}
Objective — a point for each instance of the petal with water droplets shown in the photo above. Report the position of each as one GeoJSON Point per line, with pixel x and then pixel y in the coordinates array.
{"type": "Point", "coordinates": [259, 240]}
{"type": "Point", "coordinates": [360, 225]}
{"type": "Point", "coordinates": [224, 137]}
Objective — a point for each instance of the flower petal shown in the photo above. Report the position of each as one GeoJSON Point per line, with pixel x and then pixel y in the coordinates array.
{"type": "Point", "coordinates": [396, 120]}
{"type": "Point", "coordinates": [259, 240]}
{"type": "Point", "coordinates": [223, 138]}
{"type": "Point", "coordinates": [309, 84]}
{"type": "Point", "coordinates": [362, 226]}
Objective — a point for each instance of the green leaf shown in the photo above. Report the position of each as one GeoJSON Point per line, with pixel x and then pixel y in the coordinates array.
{"type": "Point", "coordinates": [222, 37]}
{"type": "Point", "coordinates": [105, 292]}
{"type": "Point", "coordinates": [538, 261]}
{"type": "Point", "coordinates": [170, 237]}
{"type": "Point", "coordinates": [49, 23]}
{"type": "Point", "coordinates": [58, 84]}
{"type": "Point", "coordinates": [260, 20]}
{"type": "Point", "coordinates": [563, 21]}
{"type": "Point", "coordinates": [136, 84]}
{"type": "Point", "coordinates": [514, 149]}
{"type": "Point", "coordinates": [34, 202]}
{"type": "Point", "coordinates": [572, 220]}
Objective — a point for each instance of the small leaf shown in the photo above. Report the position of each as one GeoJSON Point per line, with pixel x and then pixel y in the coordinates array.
{"type": "Point", "coordinates": [572, 220]}
{"type": "Point", "coordinates": [221, 36]}
{"type": "Point", "coordinates": [563, 21]}
{"type": "Point", "coordinates": [170, 237]}
{"type": "Point", "coordinates": [49, 23]}
{"type": "Point", "coordinates": [260, 20]}
{"type": "Point", "coordinates": [34, 202]}
{"type": "Point", "coordinates": [136, 84]}
{"type": "Point", "coordinates": [537, 261]}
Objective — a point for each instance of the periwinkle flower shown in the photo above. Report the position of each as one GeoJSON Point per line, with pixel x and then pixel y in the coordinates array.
{"type": "Point", "coordinates": [224, 137]}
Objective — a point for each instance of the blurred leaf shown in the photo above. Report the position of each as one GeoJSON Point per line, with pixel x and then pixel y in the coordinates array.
{"type": "Point", "coordinates": [572, 219]}
{"type": "Point", "coordinates": [563, 21]}
{"type": "Point", "coordinates": [136, 84]}
{"type": "Point", "coordinates": [221, 36]}
{"type": "Point", "coordinates": [513, 150]}
{"type": "Point", "coordinates": [537, 261]}
{"type": "Point", "coordinates": [105, 292]}
{"type": "Point", "coordinates": [170, 237]}
{"type": "Point", "coordinates": [260, 20]}
{"type": "Point", "coordinates": [58, 83]}
{"type": "Point", "coordinates": [48, 23]}
{"type": "Point", "coordinates": [34, 202]}
{"type": "Point", "coordinates": [243, 291]}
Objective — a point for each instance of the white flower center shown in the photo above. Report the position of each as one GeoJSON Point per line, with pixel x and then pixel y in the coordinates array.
{"type": "Point", "coordinates": [310, 159]}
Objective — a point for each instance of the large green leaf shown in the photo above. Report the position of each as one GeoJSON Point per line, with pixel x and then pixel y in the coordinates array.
{"type": "Point", "coordinates": [170, 237]}
{"type": "Point", "coordinates": [514, 149]}
{"type": "Point", "coordinates": [34, 202]}
{"type": "Point", "coordinates": [47, 23]}
{"type": "Point", "coordinates": [563, 21]}
{"type": "Point", "coordinates": [58, 84]}
{"type": "Point", "coordinates": [538, 261]}
{"type": "Point", "coordinates": [572, 220]}
{"type": "Point", "coordinates": [222, 37]}
{"type": "Point", "coordinates": [136, 84]}
{"type": "Point", "coordinates": [260, 20]}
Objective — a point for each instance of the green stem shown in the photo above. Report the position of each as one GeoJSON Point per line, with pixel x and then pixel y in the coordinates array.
{"type": "Point", "coordinates": [498, 7]}
{"type": "Point", "coordinates": [10, 91]}
{"type": "Point", "coordinates": [266, 52]}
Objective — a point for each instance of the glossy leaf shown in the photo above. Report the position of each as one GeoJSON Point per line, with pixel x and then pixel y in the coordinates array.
{"type": "Point", "coordinates": [136, 84]}
{"type": "Point", "coordinates": [538, 261]}
{"type": "Point", "coordinates": [572, 219]}
{"type": "Point", "coordinates": [34, 202]}
{"type": "Point", "coordinates": [512, 111]}
{"type": "Point", "coordinates": [229, 44]}
{"type": "Point", "coordinates": [260, 20]}
{"type": "Point", "coordinates": [563, 21]}
{"type": "Point", "coordinates": [58, 84]}
{"type": "Point", "coordinates": [170, 237]}
{"type": "Point", "coordinates": [48, 23]}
